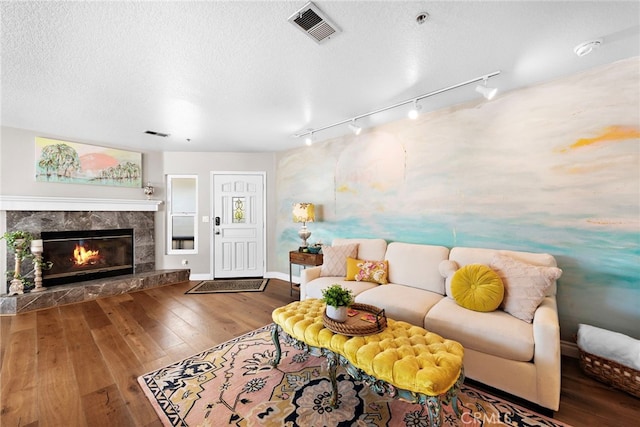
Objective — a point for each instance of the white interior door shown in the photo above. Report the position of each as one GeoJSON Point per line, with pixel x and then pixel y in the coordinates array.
{"type": "Point", "coordinates": [238, 225]}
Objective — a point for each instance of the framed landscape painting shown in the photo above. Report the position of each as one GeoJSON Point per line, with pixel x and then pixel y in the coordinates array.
{"type": "Point", "coordinates": [75, 163]}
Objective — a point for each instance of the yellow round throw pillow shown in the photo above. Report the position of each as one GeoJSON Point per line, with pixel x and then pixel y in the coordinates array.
{"type": "Point", "coordinates": [477, 287]}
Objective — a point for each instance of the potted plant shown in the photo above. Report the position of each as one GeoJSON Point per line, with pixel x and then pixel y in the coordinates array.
{"type": "Point", "coordinates": [337, 299]}
{"type": "Point", "coordinates": [17, 239]}
{"type": "Point", "coordinates": [18, 242]}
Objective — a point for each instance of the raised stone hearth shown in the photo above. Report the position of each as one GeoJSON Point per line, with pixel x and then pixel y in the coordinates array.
{"type": "Point", "coordinates": [90, 290]}
{"type": "Point", "coordinates": [36, 214]}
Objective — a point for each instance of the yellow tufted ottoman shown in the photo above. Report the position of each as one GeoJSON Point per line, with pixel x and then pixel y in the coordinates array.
{"type": "Point", "coordinates": [404, 360]}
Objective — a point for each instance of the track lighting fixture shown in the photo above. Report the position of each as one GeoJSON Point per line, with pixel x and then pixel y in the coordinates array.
{"type": "Point", "coordinates": [354, 127]}
{"type": "Point", "coordinates": [413, 113]}
{"type": "Point", "coordinates": [309, 139]}
{"type": "Point", "coordinates": [487, 92]}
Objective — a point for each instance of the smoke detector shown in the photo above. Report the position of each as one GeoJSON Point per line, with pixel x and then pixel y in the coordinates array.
{"type": "Point", "coordinates": [311, 21]}
{"type": "Point", "coordinates": [422, 17]}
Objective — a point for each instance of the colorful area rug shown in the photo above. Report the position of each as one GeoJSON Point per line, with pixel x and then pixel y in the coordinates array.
{"type": "Point", "coordinates": [229, 285]}
{"type": "Point", "coordinates": [234, 384]}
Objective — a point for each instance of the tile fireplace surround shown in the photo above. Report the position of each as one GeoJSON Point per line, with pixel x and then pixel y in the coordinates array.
{"type": "Point", "coordinates": [37, 214]}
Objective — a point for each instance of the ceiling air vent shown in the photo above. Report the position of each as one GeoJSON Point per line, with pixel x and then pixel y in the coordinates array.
{"type": "Point", "coordinates": [152, 132]}
{"type": "Point", "coordinates": [314, 23]}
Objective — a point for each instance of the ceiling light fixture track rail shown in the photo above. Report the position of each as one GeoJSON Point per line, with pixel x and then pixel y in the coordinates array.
{"type": "Point", "coordinates": [414, 100]}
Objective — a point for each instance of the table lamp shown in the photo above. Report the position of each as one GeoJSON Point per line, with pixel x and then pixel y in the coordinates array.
{"type": "Point", "coordinates": [304, 212]}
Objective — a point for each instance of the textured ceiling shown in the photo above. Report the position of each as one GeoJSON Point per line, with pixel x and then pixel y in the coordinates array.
{"type": "Point", "coordinates": [236, 76]}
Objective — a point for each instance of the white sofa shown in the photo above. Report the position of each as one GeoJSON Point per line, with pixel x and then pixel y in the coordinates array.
{"type": "Point", "coordinates": [502, 351]}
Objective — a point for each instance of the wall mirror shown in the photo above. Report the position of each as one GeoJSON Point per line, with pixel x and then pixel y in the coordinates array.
{"type": "Point", "coordinates": [182, 214]}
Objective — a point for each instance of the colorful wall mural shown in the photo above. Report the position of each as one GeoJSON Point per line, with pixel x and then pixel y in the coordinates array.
{"type": "Point", "coordinates": [553, 168]}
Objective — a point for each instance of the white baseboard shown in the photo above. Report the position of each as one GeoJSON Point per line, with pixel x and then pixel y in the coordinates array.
{"type": "Point", "coordinates": [199, 276]}
{"type": "Point", "coordinates": [568, 348]}
{"type": "Point", "coordinates": [280, 276]}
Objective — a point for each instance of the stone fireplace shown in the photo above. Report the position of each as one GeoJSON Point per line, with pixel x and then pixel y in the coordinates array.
{"type": "Point", "coordinates": [38, 222]}
{"type": "Point", "coordinates": [50, 218]}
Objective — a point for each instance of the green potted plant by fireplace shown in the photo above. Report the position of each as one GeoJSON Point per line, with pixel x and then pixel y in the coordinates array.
{"type": "Point", "coordinates": [18, 242]}
{"type": "Point", "coordinates": [22, 244]}
{"type": "Point", "coordinates": [337, 299]}
{"type": "Point", "coordinates": [19, 239]}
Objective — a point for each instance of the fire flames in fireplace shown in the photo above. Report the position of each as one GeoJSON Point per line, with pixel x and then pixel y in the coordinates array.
{"type": "Point", "coordinates": [85, 256]}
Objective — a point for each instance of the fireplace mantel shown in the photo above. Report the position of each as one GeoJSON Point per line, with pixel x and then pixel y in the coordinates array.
{"type": "Point", "coordinates": [39, 203]}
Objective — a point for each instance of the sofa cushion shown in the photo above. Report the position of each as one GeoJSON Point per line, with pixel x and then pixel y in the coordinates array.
{"type": "Point", "coordinates": [416, 265]}
{"type": "Point", "coordinates": [496, 332]}
{"type": "Point", "coordinates": [477, 287]}
{"type": "Point", "coordinates": [525, 285]}
{"type": "Point", "coordinates": [334, 259]}
{"type": "Point", "coordinates": [463, 256]}
{"type": "Point", "coordinates": [447, 269]}
{"type": "Point", "coordinates": [400, 302]}
{"type": "Point", "coordinates": [367, 271]}
{"type": "Point", "coordinates": [373, 249]}
{"type": "Point", "coordinates": [314, 288]}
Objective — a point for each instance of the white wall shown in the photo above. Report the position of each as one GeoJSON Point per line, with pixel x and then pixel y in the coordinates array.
{"type": "Point", "coordinates": [17, 177]}
{"type": "Point", "coordinates": [202, 164]}
{"type": "Point", "coordinates": [17, 169]}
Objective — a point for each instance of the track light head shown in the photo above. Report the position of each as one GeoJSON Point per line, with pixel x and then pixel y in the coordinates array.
{"type": "Point", "coordinates": [415, 111]}
{"type": "Point", "coordinates": [487, 92]}
{"type": "Point", "coordinates": [309, 139]}
{"type": "Point", "coordinates": [354, 127]}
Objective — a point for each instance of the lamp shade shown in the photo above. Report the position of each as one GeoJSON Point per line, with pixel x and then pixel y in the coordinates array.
{"type": "Point", "coordinates": [304, 212]}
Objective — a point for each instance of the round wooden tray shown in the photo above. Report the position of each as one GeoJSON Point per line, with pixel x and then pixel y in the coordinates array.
{"type": "Point", "coordinates": [355, 326]}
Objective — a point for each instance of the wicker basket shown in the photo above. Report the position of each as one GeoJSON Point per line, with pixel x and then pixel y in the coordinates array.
{"type": "Point", "coordinates": [355, 327]}
{"type": "Point", "coordinates": [610, 372]}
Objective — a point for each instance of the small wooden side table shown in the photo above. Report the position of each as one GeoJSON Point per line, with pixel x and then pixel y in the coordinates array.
{"type": "Point", "coordinates": [302, 258]}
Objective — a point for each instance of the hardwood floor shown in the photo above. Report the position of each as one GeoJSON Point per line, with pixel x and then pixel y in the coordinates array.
{"type": "Point", "coordinates": [77, 365]}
